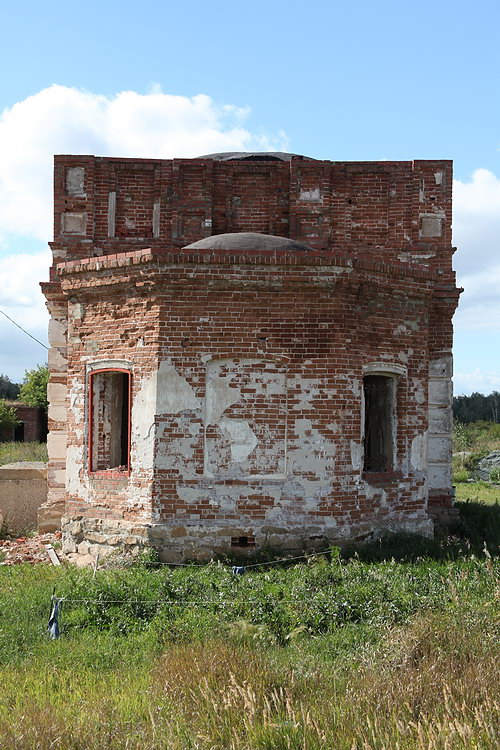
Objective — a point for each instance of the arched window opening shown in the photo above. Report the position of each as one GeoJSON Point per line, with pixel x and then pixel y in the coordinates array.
{"type": "Point", "coordinates": [380, 423]}
{"type": "Point", "coordinates": [109, 420]}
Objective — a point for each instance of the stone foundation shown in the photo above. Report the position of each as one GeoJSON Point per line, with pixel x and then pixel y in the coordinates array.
{"type": "Point", "coordinates": [85, 539]}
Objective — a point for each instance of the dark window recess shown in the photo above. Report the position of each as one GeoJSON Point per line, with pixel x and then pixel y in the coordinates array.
{"type": "Point", "coordinates": [19, 433]}
{"type": "Point", "coordinates": [110, 420]}
{"type": "Point", "coordinates": [242, 541]}
{"type": "Point", "coordinates": [379, 423]}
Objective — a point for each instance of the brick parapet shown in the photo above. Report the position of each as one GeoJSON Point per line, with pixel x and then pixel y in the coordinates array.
{"type": "Point", "coordinates": [378, 209]}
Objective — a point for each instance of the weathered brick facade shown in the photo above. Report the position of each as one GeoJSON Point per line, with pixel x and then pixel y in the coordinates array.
{"type": "Point", "coordinates": [248, 391]}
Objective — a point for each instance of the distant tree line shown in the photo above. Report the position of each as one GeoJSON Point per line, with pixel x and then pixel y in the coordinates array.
{"type": "Point", "coordinates": [477, 407]}
{"type": "Point", "coordinates": [8, 389]}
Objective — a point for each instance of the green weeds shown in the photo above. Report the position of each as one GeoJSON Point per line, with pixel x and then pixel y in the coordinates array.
{"type": "Point", "coordinates": [12, 452]}
{"type": "Point", "coordinates": [392, 645]}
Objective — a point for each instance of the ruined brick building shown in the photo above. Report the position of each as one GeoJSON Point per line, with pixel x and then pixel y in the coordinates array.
{"type": "Point", "coordinates": [248, 350]}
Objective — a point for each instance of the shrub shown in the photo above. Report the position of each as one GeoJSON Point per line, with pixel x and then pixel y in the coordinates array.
{"type": "Point", "coordinates": [462, 438]}
{"type": "Point", "coordinates": [471, 462]}
{"type": "Point", "coordinates": [8, 418]}
{"type": "Point", "coordinates": [461, 475]}
{"type": "Point", "coordinates": [495, 475]}
{"type": "Point", "coordinates": [34, 388]}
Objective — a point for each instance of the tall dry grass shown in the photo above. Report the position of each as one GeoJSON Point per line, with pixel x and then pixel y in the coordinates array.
{"type": "Point", "coordinates": [429, 687]}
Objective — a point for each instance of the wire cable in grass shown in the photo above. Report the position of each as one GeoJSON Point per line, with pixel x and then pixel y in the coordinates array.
{"type": "Point", "coordinates": [250, 565]}
{"type": "Point", "coordinates": [183, 601]}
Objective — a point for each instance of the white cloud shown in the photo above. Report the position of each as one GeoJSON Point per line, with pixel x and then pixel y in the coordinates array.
{"type": "Point", "coordinates": [476, 232]}
{"type": "Point", "coordinates": [60, 120]}
{"type": "Point", "coordinates": [66, 120]}
{"type": "Point", "coordinates": [22, 300]}
{"type": "Point", "coordinates": [478, 381]}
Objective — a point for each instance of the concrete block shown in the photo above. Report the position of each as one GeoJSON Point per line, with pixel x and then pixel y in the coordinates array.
{"type": "Point", "coordinates": [430, 226]}
{"type": "Point", "coordinates": [440, 419]}
{"type": "Point", "coordinates": [57, 361]}
{"type": "Point", "coordinates": [73, 223]}
{"type": "Point", "coordinates": [439, 448]}
{"type": "Point", "coordinates": [57, 412]}
{"type": "Point", "coordinates": [441, 368]}
{"type": "Point", "coordinates": [440, 392]}
{"type": "Point", "coordinates": [57, 333]}
{"type": "Point", "coordinates": [75, 182]}
{"type": "Point", "coordinates": [439, 476]}
{"type": "Point", "coordinates": [56, 446]}
{"type": "Point", "coordinates": [56, 393]}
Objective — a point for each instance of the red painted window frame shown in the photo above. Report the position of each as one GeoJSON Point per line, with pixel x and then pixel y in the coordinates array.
{"type": "Point", "coordinates": [111, 473]}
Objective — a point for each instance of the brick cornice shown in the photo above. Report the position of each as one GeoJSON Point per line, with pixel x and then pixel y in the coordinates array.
{"type": "Point", "coordinates": [170, 257]}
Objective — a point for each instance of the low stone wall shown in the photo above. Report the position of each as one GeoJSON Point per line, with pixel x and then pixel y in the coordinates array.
{"type": "Point", "coordinates": [23, 489]}
{"type": "Point", "coordinates": [85, 539]}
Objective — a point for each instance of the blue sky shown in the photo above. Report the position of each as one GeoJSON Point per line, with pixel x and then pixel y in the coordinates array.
{"type": "Point", "coordinates": [332, 80]}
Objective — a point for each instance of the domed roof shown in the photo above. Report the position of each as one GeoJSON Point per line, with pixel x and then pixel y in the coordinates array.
{"type": "Point", "coordinates": [247, 241]}
{"type": "Point", "coordinates": [253, 156]}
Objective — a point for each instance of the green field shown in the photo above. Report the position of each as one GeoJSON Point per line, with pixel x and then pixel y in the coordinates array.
{"type": "Point", "coordinates": [395, 646]}
{"type": "Point", "coordinates": [12, 452]}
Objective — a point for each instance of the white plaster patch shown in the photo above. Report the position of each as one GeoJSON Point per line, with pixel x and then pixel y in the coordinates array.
{"type": "Point", "coordinates": [313, 195]}
{"type": "Point", "coordinates": [247, 400]}
{"type": "Point", "coordinates": [418, 392]}
{"type": "Point", "coordinates": [143, 415]}
{"type": "Point", "coordinates": [219, 397]}
{"type": "Point", "coordinates": [418, 453]}
{"type": "Point", "coordinates": [312, 454]}
{"type": "Point", "coordinates": [243, 440]}
{"type": "Point", "coordinates": [173, 393]}
{"type": "Point", "coordinates": [73, 466]}
{"type": "Point", "coordinates": [309, 390]}
{"type": "Point", "coordinates": [356, 455]}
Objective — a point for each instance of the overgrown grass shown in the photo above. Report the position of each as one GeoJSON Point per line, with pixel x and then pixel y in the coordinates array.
{"type": "Point", "coordinates": [342, 653]}
{"type": "Point", "coordinates": [476, 437]}
{"type": "Point", "coordinates": [12, 452]}
{"type": "Point", "coordinates": [471, 442]}
{"type": "Point", "coordinates": [478, 492]}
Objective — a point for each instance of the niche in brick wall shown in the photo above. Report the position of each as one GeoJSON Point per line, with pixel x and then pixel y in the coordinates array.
{"type": "Point", "coordinates": [245, 418]}
{"type": "Point", "coordinates": [135, 196]}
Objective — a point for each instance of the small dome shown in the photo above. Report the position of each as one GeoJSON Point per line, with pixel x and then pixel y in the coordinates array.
{"type": "Point", "coordinates": [253, 156]}
{"type": "Point", "coordinates": [247, 241]}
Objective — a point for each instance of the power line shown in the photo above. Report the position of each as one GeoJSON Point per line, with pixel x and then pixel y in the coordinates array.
{"type": "Point", "coordinates": [23, 330]}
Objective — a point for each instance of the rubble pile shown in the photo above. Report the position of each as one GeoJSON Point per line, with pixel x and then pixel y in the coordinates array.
{"type": "Point", "coordinates": [29, 549]}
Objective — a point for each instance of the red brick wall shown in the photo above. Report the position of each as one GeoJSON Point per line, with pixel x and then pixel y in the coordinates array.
{"type": "Point", "coordinates": [398, 211]}
{"type": "Point", "coordinates": [377, 287]}
{"type": "Point", "coordinates": [319, 328]}
{"type": "Point", "coordinates": [32, 418]}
